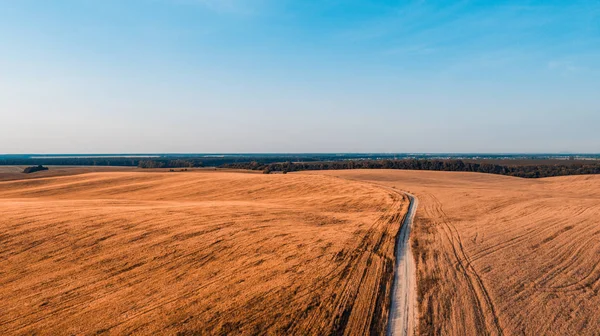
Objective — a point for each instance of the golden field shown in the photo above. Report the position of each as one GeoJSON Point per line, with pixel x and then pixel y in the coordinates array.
{"type": "Point", "coordinates": [216, 252]}
{"type": "Point", "coordinates": [195, 253]}
{"type": "Point", "coordinates": [500, 255]}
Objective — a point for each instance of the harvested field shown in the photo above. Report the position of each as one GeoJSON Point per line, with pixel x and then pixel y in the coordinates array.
{"type": "Point", "coordinates": [501, 255]}
{"type": "Point", "coordinates": [196, 253]}
{"type": "Point", "coordinates": [8, 173]}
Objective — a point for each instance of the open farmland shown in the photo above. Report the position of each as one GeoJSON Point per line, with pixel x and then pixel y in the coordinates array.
{"type": "Point", "coordinates": [502, 255]}
{"type": "Point", "coordinates": [8, 173]}
{"type": "Point", "coordinates": [196, 253]}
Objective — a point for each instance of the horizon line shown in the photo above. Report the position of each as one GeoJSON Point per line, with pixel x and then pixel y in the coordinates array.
{"type": "Point", "coordinates": [297, 153]}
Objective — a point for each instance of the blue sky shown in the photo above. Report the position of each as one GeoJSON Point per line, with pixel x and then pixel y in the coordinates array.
{"type": "Point", "coordinates": [299, 76]}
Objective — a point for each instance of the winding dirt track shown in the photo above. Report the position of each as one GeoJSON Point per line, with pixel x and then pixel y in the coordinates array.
{"type": "Point", "coordinates": [402, 311]}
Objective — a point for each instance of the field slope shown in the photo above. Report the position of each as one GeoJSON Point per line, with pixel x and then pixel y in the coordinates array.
{"type": "Point", "coordinates": [196, 253]}
{"type": "Point", "coordinates": [500, 255]}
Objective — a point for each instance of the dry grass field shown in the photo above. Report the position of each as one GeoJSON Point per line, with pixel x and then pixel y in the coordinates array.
{"type": "Point", "coordinates": [8, 173]}
{"type": "Point", "coordinates": [198, 253]}
{"type": "Point", "coordinates": [503, 256]}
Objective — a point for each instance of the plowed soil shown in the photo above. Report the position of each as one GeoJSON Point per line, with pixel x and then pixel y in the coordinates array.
{"type": "Point", "coordinates": [501, 255]}
{"type": "Point", "coordinates": [197, 253]}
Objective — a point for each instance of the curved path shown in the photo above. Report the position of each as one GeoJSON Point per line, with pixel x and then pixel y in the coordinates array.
{"type": "Point", "coordinates": [402, 311]}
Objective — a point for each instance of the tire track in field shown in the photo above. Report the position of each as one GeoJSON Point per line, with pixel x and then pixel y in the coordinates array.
{"type": "Point", "coordinates": [485, 305]}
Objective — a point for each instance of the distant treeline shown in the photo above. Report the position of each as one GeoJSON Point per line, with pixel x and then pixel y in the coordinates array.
{"type": "Point", "coordinates": [527, 171]}
{"type": "Point", "coordinates": [160, 162]}
{"type": "Point", "coordinates": [179, 163]}
{"type": "Point", "coordinates": [518, 166]}
{"type": "Point", "coordinates": [69, 161]}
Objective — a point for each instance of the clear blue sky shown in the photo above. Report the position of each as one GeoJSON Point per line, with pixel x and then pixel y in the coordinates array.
{"type": "Point", "coordinates": [299, 76]}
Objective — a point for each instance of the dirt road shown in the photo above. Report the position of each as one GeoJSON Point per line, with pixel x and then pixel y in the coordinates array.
{"type": "Point", "coordinates": [402, 312]}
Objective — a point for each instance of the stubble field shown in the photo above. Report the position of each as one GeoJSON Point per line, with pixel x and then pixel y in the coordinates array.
{"type": "Point", "coordinates": [500, 255]}
{"type": "Point", "coordinates": [306, 253]}
{"type": "Point", "coordinates": [195, 253]}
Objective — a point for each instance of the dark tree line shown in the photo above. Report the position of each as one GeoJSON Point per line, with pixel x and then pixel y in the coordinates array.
{"type": "Point", "coordinates": [527, 171]}
{"type": "Point", "coordinates": [69, 161]}
{"type": "Point", "coordinates": [170, 161]}
{"type": "Point", "coordinates": [521, 167]}
{"type": "Point", "coordinates": [179, 163]}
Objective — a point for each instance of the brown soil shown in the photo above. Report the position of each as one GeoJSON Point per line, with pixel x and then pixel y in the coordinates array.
{"type": "Point", "coordinates": [502, 255]}
{"type": "Point", "coordinates": [196, 253]}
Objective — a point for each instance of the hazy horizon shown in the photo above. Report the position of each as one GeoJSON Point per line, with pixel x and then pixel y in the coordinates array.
{"type": "Point", "coordinates": [156, 154]}
{"type": "Point", "coordinates": [264, 76]}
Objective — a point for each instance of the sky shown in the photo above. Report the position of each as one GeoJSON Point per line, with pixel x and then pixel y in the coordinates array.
{"type": "Point", "coordinates": [258, 76]}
